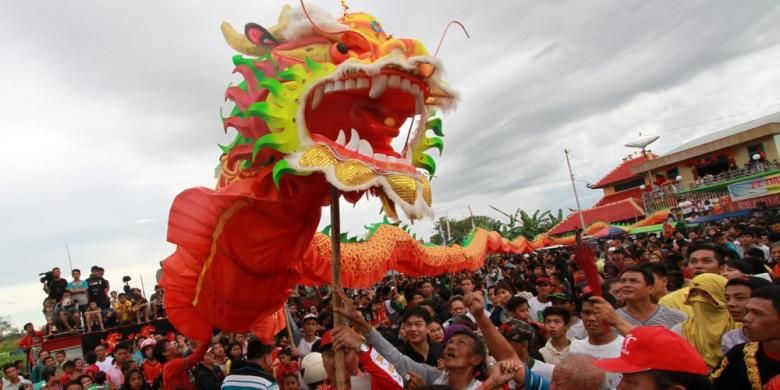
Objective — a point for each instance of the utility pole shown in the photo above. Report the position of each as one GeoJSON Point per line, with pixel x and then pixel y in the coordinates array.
{"type": "Point", "coordinates": [449, 233]}
{"type": "Point", "coordinates": [70, 262]}
{"type": "Point", "coordinates": [473, 225]}
{"type": "Point", "coordinates": [574, 187]}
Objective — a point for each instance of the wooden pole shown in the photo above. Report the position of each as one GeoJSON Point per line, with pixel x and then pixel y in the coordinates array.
{"type": "Point", "coordinates": [287, 318]}
{"type": "Point", "coordinates": [335, 243]}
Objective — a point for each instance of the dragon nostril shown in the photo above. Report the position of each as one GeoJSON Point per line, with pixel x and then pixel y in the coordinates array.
{"type": "Point", "coordinates": [342, 48]}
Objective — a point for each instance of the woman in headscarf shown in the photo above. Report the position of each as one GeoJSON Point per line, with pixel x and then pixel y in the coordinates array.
{"type": "Point", "coordinates": [710, 319]}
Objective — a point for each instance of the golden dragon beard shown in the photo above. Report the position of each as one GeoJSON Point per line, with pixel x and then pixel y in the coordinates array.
{"type": "Point", "coordinates": [332, 102]}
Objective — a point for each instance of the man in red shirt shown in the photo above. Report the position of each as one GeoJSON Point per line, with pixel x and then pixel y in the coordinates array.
{"type": "Point", "coordinates": [175, 366]}
{"type": "Point", "coordinates": [31, 338]}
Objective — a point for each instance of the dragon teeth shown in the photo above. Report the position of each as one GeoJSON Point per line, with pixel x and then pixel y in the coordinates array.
{"type": "Point", "coordinates": [380, 157]}
{"type": "Point", "coordinates": [328, 87]}
{"type": "Point", "coordinates": [362, 83]}
{"type": "Point", "coordinates": [354, 141]}
{"type": "Point", "coordinates": [350, 84]}
{"type": "Point", "coordinates": [338, 85]}
{"type": "Point", "coordinates": [394, 81]}
{"type": "Point", "coordinates": [405, 85]}
{"type": "Point", "coordinates": [378, 85]}
{"type": "Point", "coordinates": [364, 148]}
{"type": "Point", "coordinates": [318, 93]}
{"type": "Point", "coordinates": [342, 138]}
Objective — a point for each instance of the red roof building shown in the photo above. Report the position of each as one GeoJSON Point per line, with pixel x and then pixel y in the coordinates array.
{"type": "Point", "coordinates": [622, 172]}
{"type": "Point", "coordinates": [623, 210]}
{"type": "Point", "coordinates": [621, 201]}
{"type": "Point", "coordinates": [634, 193]}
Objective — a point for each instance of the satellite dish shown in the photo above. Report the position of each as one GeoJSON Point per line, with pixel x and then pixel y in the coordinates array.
{"type": "Point", "coordinates": [642, 142]}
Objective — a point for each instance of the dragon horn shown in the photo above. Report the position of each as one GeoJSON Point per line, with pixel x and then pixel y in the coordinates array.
{"type": "Point", "coordinates": [240, 43]}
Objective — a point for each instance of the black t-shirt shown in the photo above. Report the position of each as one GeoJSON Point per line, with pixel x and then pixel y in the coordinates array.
{"type": "Point", "coordinates": [435, 352]}
{"type": "Point", "coordinates": [57, 288]}
{"type": "Point", "coordinates": [733, 371]}
{"type": "Point", "coordinates": [96, 291]}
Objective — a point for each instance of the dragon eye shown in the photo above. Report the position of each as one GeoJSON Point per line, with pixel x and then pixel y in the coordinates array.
{"type": "Point", "coordinates": [342, 48]}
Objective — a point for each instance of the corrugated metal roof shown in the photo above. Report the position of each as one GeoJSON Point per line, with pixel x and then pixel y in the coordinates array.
{"type": "Point", "coordinates": [772, 118]}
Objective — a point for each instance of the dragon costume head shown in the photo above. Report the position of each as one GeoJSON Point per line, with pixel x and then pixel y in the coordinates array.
{"type": "Point", "coordinates": [327, 95]}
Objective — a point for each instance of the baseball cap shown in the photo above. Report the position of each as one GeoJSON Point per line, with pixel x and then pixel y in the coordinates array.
{"type": "Point", "coordinates": [559, 295]}
{"type": "Point", "coordinates": [327, 339]}
{"type": "Point", "coordinates": [517, 331]}
{"type": "Point", "coordinates": [542, 280]}
{"type": "Point", "coordinates": [310, 316]}
{"type": "Point", "coordinates": [648, 348]}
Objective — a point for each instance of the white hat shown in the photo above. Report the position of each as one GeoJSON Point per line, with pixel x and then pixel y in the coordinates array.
{"type": "Point", "coordinates": [312, 368]}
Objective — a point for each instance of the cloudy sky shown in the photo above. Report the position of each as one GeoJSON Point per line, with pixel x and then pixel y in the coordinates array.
{"type": "Point", "coordinates": [109, 109]}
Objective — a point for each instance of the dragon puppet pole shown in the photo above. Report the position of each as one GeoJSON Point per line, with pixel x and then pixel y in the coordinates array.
{"type": "Point", "coordinates": [335, 243]}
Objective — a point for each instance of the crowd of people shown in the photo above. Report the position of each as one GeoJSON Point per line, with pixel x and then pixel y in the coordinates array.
{"type": "Point", "coordinates": [91, 306]}
{"type": "Point", "coordinates": [694, 308]}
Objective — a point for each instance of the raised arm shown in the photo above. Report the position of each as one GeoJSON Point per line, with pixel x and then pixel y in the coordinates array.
{"type": "Point", "coordinates": [197, 355]}
{"type": "Point", "coordinates": [607, 314]}
{"type": "Point", "coordinates": [346, 337]}
{"type": "Point", "coordinates": [496, 343]}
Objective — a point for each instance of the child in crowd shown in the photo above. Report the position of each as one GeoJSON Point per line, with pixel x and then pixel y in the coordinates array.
{"type": "Point", "coordinates": [93, 317]}
{"type": "Point", "coordinates": [123, 310]}
{"type": "Point", "coordinates": [141, 309]}
{"type": "Point", "coordinates": [286, 365]}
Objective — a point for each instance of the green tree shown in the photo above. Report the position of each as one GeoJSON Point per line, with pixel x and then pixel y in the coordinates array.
{"type": "Point", "coordinates": [460, 228]}
{"type": "Point", "coordinates": [7, 330]}
{"type": "Point", "coordinates": [521, 223]}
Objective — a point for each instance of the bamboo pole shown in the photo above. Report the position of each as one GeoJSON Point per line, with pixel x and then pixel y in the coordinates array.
{"type": "Point", "coordinates": [335, 243]}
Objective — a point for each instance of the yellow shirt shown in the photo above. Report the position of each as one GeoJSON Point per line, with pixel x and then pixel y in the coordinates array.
{"type": "Point", "coordinates": [123, 310]}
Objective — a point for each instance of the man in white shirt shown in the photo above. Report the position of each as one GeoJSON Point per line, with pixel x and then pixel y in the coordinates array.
{"type": "Point", "coordinates": [310, 327]}
{"type": "Point", "coordinates": [540, 302]}
{"type": "Point", "coordinates": [12, 380]}
{"type": "Point", "coordinates": [104, 362]}
{"type": "Point", "coordinates": [576, 327]}
{"type": "Point", "coordinates": [601, 343]}
{"type": "Point", "coordinates": [556, 323]}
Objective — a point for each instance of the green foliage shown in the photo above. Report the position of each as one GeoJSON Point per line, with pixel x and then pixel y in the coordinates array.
{"type": "Point", "coordinates": [9, 340]}
{"type": "Point", "coordinates": [7, 330]}
{"type": "Point", "coordinates": [460, 230]}
{"type": "Point", "coordinates": [528, 225]}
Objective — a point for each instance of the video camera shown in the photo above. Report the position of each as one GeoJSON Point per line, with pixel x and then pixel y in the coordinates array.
{"type": "Point", "coordinates": [46, 277]}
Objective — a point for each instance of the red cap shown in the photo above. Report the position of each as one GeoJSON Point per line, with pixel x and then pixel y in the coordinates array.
{"type": "Point", "coordinates": [542, 280]}
{"type": "Point", "coordinates": [327, 339]}
{"type": "Point", "coordinates": [648, 348]}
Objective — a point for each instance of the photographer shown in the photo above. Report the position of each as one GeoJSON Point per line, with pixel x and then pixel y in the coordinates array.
{"type": "Point", "coordinates": [53, 284]}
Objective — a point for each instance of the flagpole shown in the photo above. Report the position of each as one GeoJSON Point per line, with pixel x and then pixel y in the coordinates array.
{"type": "Point", "coordinates": [335, 243]}
{"type": "Point", "coordinates": [70, 262]}
{"type": "Point", "coordinates": [574, 187]}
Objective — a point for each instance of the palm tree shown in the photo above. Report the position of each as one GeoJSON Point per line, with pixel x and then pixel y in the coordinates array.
{"type": "Point", "coordinates": [529, 225]}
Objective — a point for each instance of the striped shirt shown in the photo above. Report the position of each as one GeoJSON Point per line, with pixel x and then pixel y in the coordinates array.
{"type": "Point", "coordinates": [663, 316]}
{"type": "Point", "coordinates": [249, 376]}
